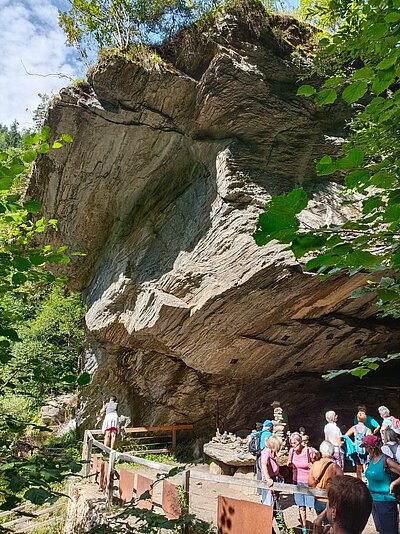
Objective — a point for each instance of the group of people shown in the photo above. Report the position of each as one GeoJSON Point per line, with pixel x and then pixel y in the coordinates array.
{"type": "Point", "coordinates": [375, 452]}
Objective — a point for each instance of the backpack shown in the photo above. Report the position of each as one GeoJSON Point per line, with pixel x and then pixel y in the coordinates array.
{"type": "Point", "coordinates": [255, 444]}
{"type": "Point", "coordinates": [395, 422]}
{"type": "Point", "coordinates": [393, 476]}
{"type": "Point", "coordinates": [358, 438]}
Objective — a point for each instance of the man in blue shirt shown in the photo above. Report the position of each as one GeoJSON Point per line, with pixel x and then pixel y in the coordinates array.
{"type": "Point", "coordinates": [370, 422]}
{"type": "Point", "coordinates": [266, 432]}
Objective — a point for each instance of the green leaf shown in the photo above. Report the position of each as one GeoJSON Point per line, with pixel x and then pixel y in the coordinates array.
{"type": "Point", "coordinates": [9, 333]}
{"type": "Point", "coordinates": [353, 158]}
{"type": "Point", "coordinates": [303, 244]}
{"type": "Point", "coordinates": [45, 133]}
{"type": "Point", "coordinates": [389, 61]}
{"type": "Point", "coordinates": [354, 92]}
{"type": "Point", "coordinates": [306, 90]}
{"type": "Point", "coordinates": [32, 206]}
{"type": "Point", "coordinates": [57, 144]}
{"type": "Point", "coordinates": [29, 156]}
{"type": "Point", "coordinates": [376, 31]}
{"type": "Point", "coordinates": [387, 295]}
{"type": "Point", "coordinates": [32, 139]}
{"type": "Point", "coordinates": [371, 204]}
{"type": "Point", "coordinates": [43, 148]}
{"type": "Point", "coordinates": [360, 371]}
{"type": "Point", "coordinates": [393, 16]}
{"type": "Point", "coordinates": [325, 97]}
{"type": "Point", "coordinates": [365, 73]}
{"type": "Point", "coordinates": [18, 279]}
{"type": "Point", "coordinates": [362, 258]}
{"type": "Point", "coordinates": [37, 495]}
{"type": "Point", "coordinates": [84, 379]}
{"type": "Point", "coordinates": [70, 379]}
{"type": "Point", "coordinates": [325, 166]}
{"type": "Point", "coordinates": [66, 138]}
{"type": "Point", "coordinates": [3, 156]}
{"type": "Point", "coordinates": [383, 180]}
{"type": "Point", "coordinates": [5, 184]}
{"type": "Point", "coordinates": [22, 264]}
{"type": "Point", "coordinates": [334, 81]}
{"type": "Point", "coordinates": [383, 80]}
{"type": "Point", "coordinates": [357, 178]}
{"type": "Point", "coordinates": [323, 260]}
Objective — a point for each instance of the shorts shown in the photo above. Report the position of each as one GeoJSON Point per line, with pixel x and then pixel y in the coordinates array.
{"type": "Point", "coordinates": [303, 500]}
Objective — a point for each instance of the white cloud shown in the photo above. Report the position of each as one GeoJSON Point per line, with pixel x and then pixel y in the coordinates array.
{"type": "Point", "coordinates": [30, 37]}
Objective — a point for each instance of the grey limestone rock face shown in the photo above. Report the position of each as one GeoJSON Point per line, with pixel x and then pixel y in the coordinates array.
{"type": "Point", "coordinates": [161, 190]}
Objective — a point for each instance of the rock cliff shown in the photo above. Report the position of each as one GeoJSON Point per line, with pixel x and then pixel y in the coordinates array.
{"type": "Point", "coordinates": [170, 166]}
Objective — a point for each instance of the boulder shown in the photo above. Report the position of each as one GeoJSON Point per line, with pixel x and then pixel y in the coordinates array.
{"type": "Point", "coordinates": [188, 320]}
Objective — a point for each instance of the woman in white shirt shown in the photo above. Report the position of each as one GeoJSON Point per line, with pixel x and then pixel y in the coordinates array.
{"type": "Point", "coordinates": [333, 435]}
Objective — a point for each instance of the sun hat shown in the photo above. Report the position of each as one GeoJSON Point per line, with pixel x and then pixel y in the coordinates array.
{"type": "Point", "coordinates": [372, 441]}
{"type": "Point", "coordinates": [267, 423]}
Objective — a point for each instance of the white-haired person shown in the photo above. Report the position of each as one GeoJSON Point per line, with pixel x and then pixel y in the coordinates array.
{"type": "Point", "coordinates": [391, 446]}
{"type": "Point", "coordinates": [388, 420]}
{"type": "Point", "coordinates": [334, 435]}
{"type": "Point", "coordinates": [321, 473]}
{"type": "Point", "coordinates": [301, 458]}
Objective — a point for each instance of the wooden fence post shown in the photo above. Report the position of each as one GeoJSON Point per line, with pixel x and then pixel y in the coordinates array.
{"type": "Point", "coordinates": [173, 445]}
{"type": "Point", "coordinates": [186, 489]}
{"type": "Point", "coordinates": [88, 456]}
{"type": "Point", "coordinates": [110, 486]}
{"type": "Point", "coordinates": [84, 446]}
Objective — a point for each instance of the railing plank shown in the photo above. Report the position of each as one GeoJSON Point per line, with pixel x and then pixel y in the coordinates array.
{"type": "Point", "coordinates": [278, 486]}
{"type": "Point", "coordinates": [17, 509]}
{"type": "Point", "coordinates": [140, 429]}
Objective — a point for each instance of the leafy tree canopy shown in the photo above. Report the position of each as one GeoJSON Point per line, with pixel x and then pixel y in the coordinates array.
{"type": "Point", "coordinates": [120, 23]}
{"type": "Point", "coordinates": [359, 63]}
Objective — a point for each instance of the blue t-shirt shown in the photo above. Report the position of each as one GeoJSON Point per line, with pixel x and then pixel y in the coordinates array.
{"type": "Point", "coordinates": [264, 434]}
{"type": "Point", "coordinates": [370, 422]}
{"type": "Point", "coordinates": [379, 481]}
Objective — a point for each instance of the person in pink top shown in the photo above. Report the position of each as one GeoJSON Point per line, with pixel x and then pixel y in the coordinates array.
{"type": "Point", "coordinates": [269, 467]}
{"type": "Point", "coordinates": [301, 458]}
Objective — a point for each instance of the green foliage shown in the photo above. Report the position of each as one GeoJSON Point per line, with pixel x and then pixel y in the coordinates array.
{"type": "Point", "coordinates": [360, 64]}
{"type": "Point", "coordinates": [10, 137]}
{"type": "Point", "coordinates": [39, 333]}
{"type": "Point", "coordinates": [46, 357]}
{"type": "Point", "coordinates": [364, 366]}
{"type": "Point", "coordinates": [120, 23]}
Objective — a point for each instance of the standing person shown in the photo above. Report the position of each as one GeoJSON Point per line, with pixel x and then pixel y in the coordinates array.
{"type": "Point", "coordinates": [321, 473]}
{"type": "Point", "coordinates": [349, 507]}
{"type": "Point", "coordinates": [266, 432]}
{"type": "Point", "coordinates": [359, 431]}
{"type": "Point", "coordinates": [333, 435]}
{"type": "Point", "coordinates": [388, 420]}
{"type": "Point", "coordinates": [301, 458]}
{"type": "Point", "coordinates": [270, 468]}
{"type": "Point", "coordinates": [391, 447]}
{"type": "Point", "coordinates": [110, 422]}
{"type": "Point", "coordinates": [381, 485]}
{"type": "Point", "coordinates": [370, 422]}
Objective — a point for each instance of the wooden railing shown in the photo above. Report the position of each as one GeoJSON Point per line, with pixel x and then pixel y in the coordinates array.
{"type": "Point", "coordinates": [173, 429]}
{"type": "Point", "coordinates": [28, 523]}
{"type": "Point", "coordinates": [187, 473]}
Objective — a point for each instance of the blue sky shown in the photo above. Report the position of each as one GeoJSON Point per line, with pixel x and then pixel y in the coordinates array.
{"type": "Point", "coordinates": [32, 42]}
